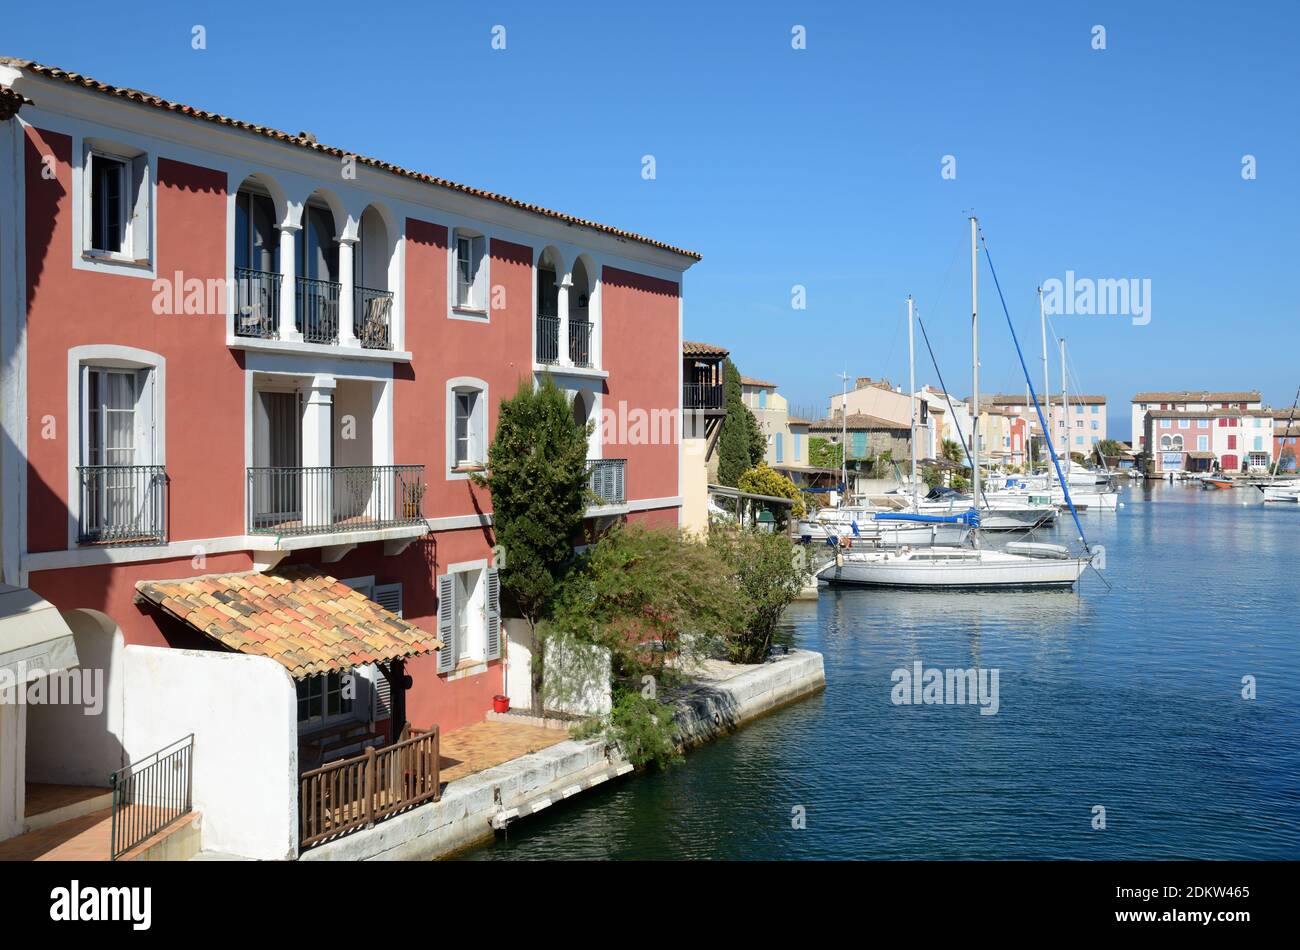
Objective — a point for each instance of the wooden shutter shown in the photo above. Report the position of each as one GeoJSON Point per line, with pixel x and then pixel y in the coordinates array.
{"type": "Point", "coordinates": [447, 622]}
{"type": "Point", "coordinates": [493, 613]}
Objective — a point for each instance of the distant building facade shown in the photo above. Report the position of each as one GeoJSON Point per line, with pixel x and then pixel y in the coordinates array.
{"type": "Point", "coordinates": [1186, 401]}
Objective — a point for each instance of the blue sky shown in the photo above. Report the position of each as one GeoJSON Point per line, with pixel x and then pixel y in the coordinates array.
{"type": "Point", "coordinates": [821, 167]}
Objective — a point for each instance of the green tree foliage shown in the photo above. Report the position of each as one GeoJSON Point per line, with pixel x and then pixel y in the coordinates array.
{"type": "Point", "coordinates": [1108, 448]}
{"type": "Point", "coordinates": [953, 451]}
{"type": "Point", "coordinates": [823, 453]}
{"type": "Point", "coordinates": [770, 569]}
{"type": "Point", "coordinates": [537, 474]}
{"type": "Point", "coordinates": [764, 480]}
{"type": "Point", "coordinates": [741, 444]}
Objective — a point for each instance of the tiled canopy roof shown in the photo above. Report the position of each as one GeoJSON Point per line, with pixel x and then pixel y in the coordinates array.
{"type": "Point", "coordinates": [305, 140]}
{"type": "Point", "coordinates": [1201, 396]}
{"type": "Point", "coordinates": [307, 621]}
{"type": "Point", "coordinates": [856, 421]}
{"type": "Point", "coordinates": [692, 348]}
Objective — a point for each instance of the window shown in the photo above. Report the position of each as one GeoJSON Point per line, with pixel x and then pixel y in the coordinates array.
{"type": "Point", "coordinates": [1202, 423]}
{"type": "Point", "coordinates": [467, 438]}
{"type": "Point", "coordinates": [762, 399]}
{"type": "Point", "coordinates": [1094, 409]}
{"type": "Point", "coordinates": [469, 615]}
{"type": "Point", "coordinates": [470, 272]}
{"type": "Point", "coordinates": [778, 443]}
{"type": "Point", "coordinates": [257, 245]}
{"type": "Point", "coordinates": [1202, 443]}
{"type": "Point", "coordinates": [798, 446]}
{"type": "Point", "coordinates": [1078, 440]}
{"type": "Point", "coordinates": [115, 198]}
{"type": "Point", "coordinates": [1165, 443]}
{"type": "Point", "coordinates": [1184, 423]}
{"type": "Point", "coordinates": [1078, 423]}
{"type": "Point", "coordinates": [1095, 440]}
{"type": "Point", "coordinates": [1095, 425]}
{"type": "Point", "coordinates": [1166, 423]}
{"type": "Point", "coordinates": [323, 698]}
{"type": "Point", "coordinates": [1142, 407]}
{"type": "Point", "coordinates": [1232, 442]}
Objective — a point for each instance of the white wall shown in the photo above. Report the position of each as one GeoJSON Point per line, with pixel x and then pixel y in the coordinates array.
{"type": "Point", "coordinates": [243, 713]}
{"type": "Point", "coordinates": [579, 673]}
{"type": "Point", "coordinates": [519, 663]}
{"type": "Point", "coordinates": [11, 751]}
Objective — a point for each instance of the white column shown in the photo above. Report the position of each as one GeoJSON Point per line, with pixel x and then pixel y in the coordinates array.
{"type": "Point", "coordinates": [13, 756]}
{"type": "Point", "coordinates": [289, 282]}
{"type": "Point", "coordinates": [563, 307]}
{"type": "Point", "coordinates": [347, 292]}
{"type": "Point", "coordinates": [317, 445]}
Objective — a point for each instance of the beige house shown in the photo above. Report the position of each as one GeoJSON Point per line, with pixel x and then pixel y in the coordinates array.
{"type": "Point", "coordinates": [875, 398]}
{"type": "Point", "coordinates": [1077, 428]}
{"type": "Point", "coordinates": [787, 436]}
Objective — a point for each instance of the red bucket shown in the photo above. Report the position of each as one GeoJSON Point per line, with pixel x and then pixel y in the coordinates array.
{"type": "Point", "coordinates": [500, 704]}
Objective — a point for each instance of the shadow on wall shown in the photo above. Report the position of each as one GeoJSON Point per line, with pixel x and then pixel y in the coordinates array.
{"type": "Point", "coordinates": [79, 741]}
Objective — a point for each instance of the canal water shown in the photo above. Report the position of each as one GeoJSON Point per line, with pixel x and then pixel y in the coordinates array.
{"type": "Point", "coordinates": [1128, 698]}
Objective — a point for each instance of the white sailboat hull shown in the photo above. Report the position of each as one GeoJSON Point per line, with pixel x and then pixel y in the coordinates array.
{"type": "Point", "coordinates": [989, 570]}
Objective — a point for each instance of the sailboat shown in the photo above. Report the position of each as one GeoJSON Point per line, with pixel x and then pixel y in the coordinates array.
{"type": "Point", "coordinates": [1022, 565]}
{"type": "Point", "coordinates": [1286, 489]}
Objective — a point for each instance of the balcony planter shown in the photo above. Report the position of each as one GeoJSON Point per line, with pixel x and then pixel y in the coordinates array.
{"type": "Point", "coordinates": [500, 704]}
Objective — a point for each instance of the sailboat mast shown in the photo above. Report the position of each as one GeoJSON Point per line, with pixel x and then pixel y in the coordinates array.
{"type": "Point", "coordinates": [844, 438]}
{"type": "Point", "coordinates": [1047, 387]}
{"type": "Point", "coordinates": [911, 388]}
{"type": "Point", "coordinates": [975, 361]}
{"type": "Point", "coordinates": [1065, 406]}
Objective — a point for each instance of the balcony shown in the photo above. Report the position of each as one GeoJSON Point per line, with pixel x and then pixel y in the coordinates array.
{"type": "Point", "coordinates": [605, 479]}
{"type": "Point", "coordinates": [706, 396]}
{"type": "Point", "coordinates": [318, 310]}
{"type": "Point", "coordinates": [580, 343]}
{"type": "Point", "coordinates": [548, 340]}
{"type": "Point", "coordinates": [372, 318]}
{"type": "Point", "coordinates": [122, 504]}
{"type": "Point", "coordinates": [257, 305]}
{"type": "Point", "coordinates": [295, 501]}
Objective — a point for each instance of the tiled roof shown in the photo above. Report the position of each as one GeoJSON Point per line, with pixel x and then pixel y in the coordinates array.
{"type": "Point", "coordinates": [796, 421]}
{"type": "Point", "coordinates": [751, 381]}
{"type": "Point", "coordinates": [1200, 396]}
{"type": "Point", "coordinates": [1213, 411]}
{"type": "Point", "coordinates": [1011, 399]}
{"type": "Point", "coordinates": [856, 420]}
{"type": "Point", "coordinates": [307, 621]}
{"type": "Point", "coordinates": [691, 348]}
{"type": "Point", "coordinates": [305, 140]}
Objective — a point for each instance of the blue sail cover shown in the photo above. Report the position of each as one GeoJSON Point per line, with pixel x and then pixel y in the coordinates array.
{"type": "Point", "coordinates": [970, 517]}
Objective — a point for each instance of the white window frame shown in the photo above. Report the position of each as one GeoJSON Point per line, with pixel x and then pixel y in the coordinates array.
{"type": "Point", "coordinates": [150, 420]}
{"type": "Point", "coordinates": [138, 205]}
{"type": "Point", "coordinates": [479, 305]}
{"type": "Point", "coordinates": [479, 434]}
{"type": "Point", "coordinates": [325, 719]}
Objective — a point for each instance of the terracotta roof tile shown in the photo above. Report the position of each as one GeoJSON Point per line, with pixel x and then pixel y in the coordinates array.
{"type": "Point", "coordinates": [304, 140]}
{"type": "Point", "coordinates": [692, 348]}
{"type": "Point", "coordinates": [307, 621]}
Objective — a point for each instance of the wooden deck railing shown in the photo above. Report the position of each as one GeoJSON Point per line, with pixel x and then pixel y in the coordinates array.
{"type": "Point", "coordinates": [357, 792]}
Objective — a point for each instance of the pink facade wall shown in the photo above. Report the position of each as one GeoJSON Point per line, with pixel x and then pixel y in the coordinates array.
{"type": "Point", "coordinates": [642, 353]}
{"type": "Point", "coordinates": [69, 307]}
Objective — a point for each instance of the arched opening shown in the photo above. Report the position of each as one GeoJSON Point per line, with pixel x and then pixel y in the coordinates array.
{"type": "Point", "coordinates": [372, 309]}
{"type": "Point", "coordinates": [257, 259]}
{"type": "Point", "coordinates": [549, 268]}
{"type": "Point", "coordinates": [580, 306]}
{"type": "Point", "coordinates": [318, 289]}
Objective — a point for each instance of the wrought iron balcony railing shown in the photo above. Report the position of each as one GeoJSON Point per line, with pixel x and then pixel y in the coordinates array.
{"type": "Point", "coordinates": [123, 504]}
{"type": "Point", "coordinates": [318, 310]}
{"type": "Point", "coordinates": [299, 500]}
{"type": "Point", "coordinates": [703, 396]}
{"type": "Point", "coordinates": [372, 318]}
{"type": "Point", "coordinates": [548, 340]}
{"type": "Point", "coordinates": [605, 478]}
{"type": "Point", "coordinates": [580, 343]}
{"type": "Point", "coordinates": [257, 303]}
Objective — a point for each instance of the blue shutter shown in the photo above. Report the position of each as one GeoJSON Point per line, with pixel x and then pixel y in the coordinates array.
{"type": "Point", "coordinates": [447, 623]}
{"type": "Point", "coordinates": [780, 447]}
{"type": "Point", "coordinates": [493, 614]}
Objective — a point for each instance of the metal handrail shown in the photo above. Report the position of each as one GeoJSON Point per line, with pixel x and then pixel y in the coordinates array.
{"type": "Point", "coordinates": [580, 343]}
{"type": "Point", "coordinates": [151, 795]}
{"type": "Point", "coordinates": [318, 310]}
{"type": "Point", "coordinates": [548, 340]}
{"type": "Point", "coordinates": [257, 307]}
{"type": "Point", "coordinates": [122, 504]}
{"type": "Point", "coordinates": [302, 500]}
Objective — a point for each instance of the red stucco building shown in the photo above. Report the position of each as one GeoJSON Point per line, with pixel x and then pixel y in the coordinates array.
{"type": "Point", "coordinates": [229, 349]}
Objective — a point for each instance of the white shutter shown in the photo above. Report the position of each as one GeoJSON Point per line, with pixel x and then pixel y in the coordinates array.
{"type": "Point", "coordinates": [388, 596]}
{"type": "Point", "coordinates": [138, 215]}
{"type": "Point", "coordinates": [493, 612]}
{"type": "Point", "coordinates": [447, 622]}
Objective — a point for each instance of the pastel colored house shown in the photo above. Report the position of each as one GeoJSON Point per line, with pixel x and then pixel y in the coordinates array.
{"type": "Point", "coordinates": [225, 360]}
{"type": "Point", "coordinates": [1203, 440]}
{"type": "Point", "coordinates": [1077, 428]}
{"type": "Point", "coordinates": [1185, 401]}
